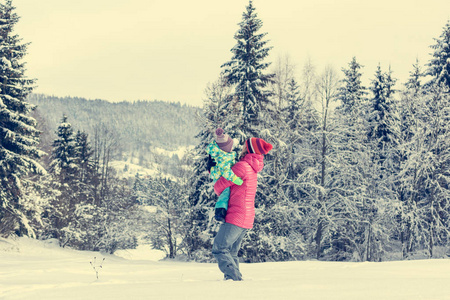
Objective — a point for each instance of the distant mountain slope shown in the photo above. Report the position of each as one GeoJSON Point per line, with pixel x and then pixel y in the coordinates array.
{"type": "Point", "coordinates": [139, 125]}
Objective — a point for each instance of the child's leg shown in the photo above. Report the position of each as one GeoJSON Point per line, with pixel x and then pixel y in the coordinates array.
{"type": "Point", "coordinates": [222, 202]}
{"type": "Point", "coordinates": [222, 205]}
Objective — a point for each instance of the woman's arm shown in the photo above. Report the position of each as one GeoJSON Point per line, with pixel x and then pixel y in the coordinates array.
{"type": "Point", "coordinates": [223, 183]}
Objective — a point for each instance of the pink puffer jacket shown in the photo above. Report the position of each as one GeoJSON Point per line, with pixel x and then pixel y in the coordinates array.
{"type": "Point", "coordinates": [241, 207]}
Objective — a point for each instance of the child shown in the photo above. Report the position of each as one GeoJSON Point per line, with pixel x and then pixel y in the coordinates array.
{"type": "Point", "coordinates": [221, 152]}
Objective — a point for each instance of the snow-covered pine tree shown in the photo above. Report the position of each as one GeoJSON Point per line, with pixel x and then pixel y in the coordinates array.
{"type": "Point", "coordinates": [301, 123]}
{"type": "Point", "coordinates": [18, 134]}
{"type": "Point", "coordinates": [63, 165]}
{"type": "Point", "coordinates": [87, 177]}
{"type": "Point", "coordinates": [89, 213]}
{"type": "Point", "coordinates": [414, 83]}
{"type": "Point", "coordinates": [139, 191]}
{"type": "Point", "coordinates": [381, 108]}
{"type": "Point", "coordinates": [293, 110]}
{"type": "Point", "coordinates": [439, 65]}
{"type": "Point", "coordinates": [382, 141]}
{"type": "Point", "coordinates": [245, 72]}
{"type": "Point", "coordinates": [352, 92]}
{"type": "Point", "coordinates": [85, 219]}
{"type": "Point", "coordinates": [64, 171]}
{"type": "Point", "coordinates": [351, 157]}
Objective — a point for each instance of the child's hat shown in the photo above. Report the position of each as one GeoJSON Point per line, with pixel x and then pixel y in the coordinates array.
{"type": "Point", "coordinates": [258, 146]}
{"type": "Point", "coordinates": [223, 140]}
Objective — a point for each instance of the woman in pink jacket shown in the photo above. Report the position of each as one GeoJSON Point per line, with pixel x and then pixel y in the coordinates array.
{"type": "Point", "coordinates": [241, 206]}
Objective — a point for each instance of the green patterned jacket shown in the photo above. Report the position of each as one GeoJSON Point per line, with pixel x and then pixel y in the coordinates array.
{"type": "Point", "coordinates": [224, 162]}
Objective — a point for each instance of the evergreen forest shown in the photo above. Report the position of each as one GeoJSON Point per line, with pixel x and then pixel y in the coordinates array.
{"type": "Point", "coordinates": [357, 172]}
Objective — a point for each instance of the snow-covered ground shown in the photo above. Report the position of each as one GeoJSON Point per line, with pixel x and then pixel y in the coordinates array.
{"type": "Point", "coordinates": [32, 269]}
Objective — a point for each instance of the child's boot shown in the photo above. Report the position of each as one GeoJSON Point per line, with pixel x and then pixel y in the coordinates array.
{"type": "Point", "coordinates": [220, 214]}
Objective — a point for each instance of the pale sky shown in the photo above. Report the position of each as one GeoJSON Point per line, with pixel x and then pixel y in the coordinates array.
{"type": "Point", "coordinates": [170, 50]}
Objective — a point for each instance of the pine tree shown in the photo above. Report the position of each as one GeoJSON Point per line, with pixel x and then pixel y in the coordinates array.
{"type": "Point", "coordinates": [382, 108]}
{"type": "Point", "coordinates": [439, 65]}
{"type": "Point", "coordinates": [352, 91]}
{"type": "Point", "coordinates": [139, 191]}
{"type": "Point", "coordinates": [64, 171]}
{"type": "Point", "coordinates": [88, 180]}
{"type": "Point", "coordinates": [294, 103]}
{"type": "Point", "coordinates": [18, 134]}
{"type": "Point", "coordinates": [245, 72]}
{"type": "Point", "coordinates": [63, 155]}
{"type": "Point", "coordinates": [382, 141]}
{"type": "Point", "coordinates": [414, 83]}
{"type": "Point", "coordinates": [351, 155]}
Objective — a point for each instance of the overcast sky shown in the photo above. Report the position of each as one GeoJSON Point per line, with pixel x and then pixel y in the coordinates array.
{"type": "Point", "coordinates": [169, 50]}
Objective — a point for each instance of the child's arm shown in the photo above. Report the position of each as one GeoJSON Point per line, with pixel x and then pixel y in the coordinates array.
{"type": "Point", "coordinates": [223, 183]}
{"type": "Point", "coordinates": [229, 175]}
{"type": "Point", "coordinates": [223, 166]}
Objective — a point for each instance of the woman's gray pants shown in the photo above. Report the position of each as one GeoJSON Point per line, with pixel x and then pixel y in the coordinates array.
{"type": "Point", "coordinates": [225, 249]}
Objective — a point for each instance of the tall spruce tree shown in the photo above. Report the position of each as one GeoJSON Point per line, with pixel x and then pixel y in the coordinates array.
{"type": "Point", "coordinates": [381, 108]}
{"type": "Point", "coordinates": [63, 165]}
{"type": "Point", "coordinates": [88, 179]}
{"type": "Point", "coordinates": [414, 83]}
{"type": "Point", "coordinates": [351, 155]}
{"type": "Point", "coordinates": [382, 141]}
{"type": "Point", "coordinates": [246, 70]}
{"type": "Point", "coordinates": [439, 65]}
{"type": "Point", "coordinates": [352, 92]}
{"type": "Point", "coordinates": [18, 134]}
{"type": "Point", "coordinates": [64, 170]}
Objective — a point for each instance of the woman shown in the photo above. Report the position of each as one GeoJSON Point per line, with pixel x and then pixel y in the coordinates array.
{"type": "Point", "coordinates": [241, 206]}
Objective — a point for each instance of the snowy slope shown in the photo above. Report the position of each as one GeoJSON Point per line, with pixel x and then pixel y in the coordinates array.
{"type": "Point", "coordinates": [31, 269]}
{"type": "Point", "coordinates": [130, 167]}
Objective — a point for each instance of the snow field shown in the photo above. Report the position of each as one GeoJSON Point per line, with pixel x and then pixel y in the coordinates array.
{"type": "Point", "coordinates": [32, 269]}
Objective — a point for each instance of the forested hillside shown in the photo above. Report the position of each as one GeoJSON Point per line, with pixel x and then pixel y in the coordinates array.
{"type": "Point", "coordinates": [137, 125]}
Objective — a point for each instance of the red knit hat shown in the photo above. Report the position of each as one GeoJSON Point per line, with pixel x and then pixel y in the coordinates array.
{"type": "Point", "coordinates": [258, 146]}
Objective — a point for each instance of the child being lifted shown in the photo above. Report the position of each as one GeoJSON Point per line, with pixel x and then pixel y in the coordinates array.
{"type": "Point", "coordinates": [221, 159]}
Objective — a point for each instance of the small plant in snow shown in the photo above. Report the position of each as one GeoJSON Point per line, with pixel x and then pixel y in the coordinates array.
{"type": "Point", "coordinates": [97, 267]}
